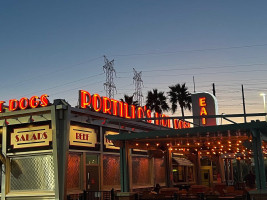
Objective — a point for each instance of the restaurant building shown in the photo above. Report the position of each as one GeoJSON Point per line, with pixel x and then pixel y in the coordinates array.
{"type": "Point", "coordinates": [50, 150]}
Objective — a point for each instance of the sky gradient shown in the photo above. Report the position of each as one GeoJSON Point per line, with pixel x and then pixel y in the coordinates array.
{"type": "Point", "coordinates": [57, 48]}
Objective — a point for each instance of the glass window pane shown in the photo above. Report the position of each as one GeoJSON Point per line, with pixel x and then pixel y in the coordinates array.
{"type": "Point", "coordinates": [141, 173]}
{"type": "Point", "coordinates": [111, 170]}
{"type": "Point", "coordinates": [91, 159]}
{"type": "Point", "coordinates": [73, 171]}
{"type": "Point", "coordinates": [32, 173]}
{"type": "Point", "coordinates": [159, 171]}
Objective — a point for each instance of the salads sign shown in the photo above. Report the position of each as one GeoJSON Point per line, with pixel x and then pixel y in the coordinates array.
{"type": "Point", "coordinates": [37, 136]}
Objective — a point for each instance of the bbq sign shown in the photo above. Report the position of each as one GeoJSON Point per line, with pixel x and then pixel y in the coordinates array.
{"type": "Point", "coordinates": [25, 103]}
{"type": "Point", "coordinates": [37, 136]}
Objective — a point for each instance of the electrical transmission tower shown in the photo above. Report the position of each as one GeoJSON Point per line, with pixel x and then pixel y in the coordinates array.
{"type": "Point", "coordinates": [109, 85]}
{"type": "Point", "coordinates": [138, 96]}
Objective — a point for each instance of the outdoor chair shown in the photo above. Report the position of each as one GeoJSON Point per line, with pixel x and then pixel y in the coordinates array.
{"type": "Point", "coordinates": [212, 197]}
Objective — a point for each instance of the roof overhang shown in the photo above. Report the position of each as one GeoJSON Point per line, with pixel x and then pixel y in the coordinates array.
{"type": "Point", "coordinates": [220, 139]}
{"type": "Point", "coordinates": [221, 130]}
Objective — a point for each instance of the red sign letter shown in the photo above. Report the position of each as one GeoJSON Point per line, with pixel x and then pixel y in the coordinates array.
{"type": "Point", "coordinates": [13, 104]}
{"type": "Point", "coordinates": [23, 103]}
{"type": "Point", "coordinates": [33, 102]}
{"type": "Point", "coordinates": [44, 100]}
{"type": "Point", "coordinates": [97, 102]}
{"type": "Point", "coordinates": [2, 106]}
{"type": "Point", "coordinates": [85, 99]}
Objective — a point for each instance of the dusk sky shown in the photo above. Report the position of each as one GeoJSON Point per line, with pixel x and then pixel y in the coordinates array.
{"type": "Point", "coordinates": [57, 47]}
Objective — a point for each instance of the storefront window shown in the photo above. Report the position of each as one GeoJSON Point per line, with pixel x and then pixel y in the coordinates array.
{"type": "Point", "coordinates": [191, 173]}
{"type": "Point", "coordinates": [179, 173]}
{"type": "Point", "coordinates": [32, 173]}
{"type": "Point", "coordinates": [205, 161]}
{"type": "Point", "coordinates": [73, 171]}
{"type": "Point", "coordinates": [159, 171]}
{"type": "Point", "coordinates": [141, 173]}
{"type": "Point", "coordinates": [91, 159]}
{"type": "Point", "coordinates": [111, 171]}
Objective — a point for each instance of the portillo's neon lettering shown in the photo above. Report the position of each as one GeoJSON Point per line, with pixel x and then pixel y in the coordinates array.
{"type": "Point", "coordinates": [133, 115]}
{"type": "Point", "coordinates": [122, 109]}
{"type": "Point", "coordinates": [25, 103]}
{"type": "Point", "coordinates": [157, 115]}
{"type": "Point", "coordinates": [126, 109]}
{"type": "Point", "coordinates": [148, 115]}
{"type": "Point", "coordinates": [140, 113]}
{"type": "Point", "coordinates": [163, 121]}
{"type": "Point", "coordinates": [106, 105]}
{"type": "Point", "coordinates": [97, 102]}
{"type": "Point", "coordinates": [179, 124]}
{"type": "Point", "coordinates": [114, 107]}
{"type": "Point", "coordinates": [85, 99]}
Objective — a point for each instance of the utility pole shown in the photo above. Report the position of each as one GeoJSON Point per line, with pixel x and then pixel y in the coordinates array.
{"type": "Point", "coordinates": [138, 96]}
{"type": "Point", "coordinates": [109, 85]}
{"type": "Point", "coordinates": [194, 84]}
{"type": "Point", "coordinates": [244, 105]}
{"type": "Point", "coordinates": [213, 89]}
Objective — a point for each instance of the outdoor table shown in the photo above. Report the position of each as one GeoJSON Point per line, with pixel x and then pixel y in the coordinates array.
{"type": "Point", "coordinates": [227, 197]}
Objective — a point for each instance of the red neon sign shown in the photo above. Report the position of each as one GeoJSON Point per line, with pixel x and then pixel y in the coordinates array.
{"type": "Point", "coordinates": [203, 110]}
{"type": "Point", "coordinates": [122, 109]}
{"type": "Point", "coordinates": [25, 103]}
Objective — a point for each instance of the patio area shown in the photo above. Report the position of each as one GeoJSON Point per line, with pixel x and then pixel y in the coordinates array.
{"type": "Point", "coordinates": [222, 145]}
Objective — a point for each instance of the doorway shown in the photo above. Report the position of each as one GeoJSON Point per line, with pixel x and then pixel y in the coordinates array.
{"type": "Point", "coordinates": [206, 175]}
{"type": "Point", "coordinates": [92, 178]}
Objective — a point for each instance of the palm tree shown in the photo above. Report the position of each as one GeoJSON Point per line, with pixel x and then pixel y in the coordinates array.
{"type": "Point", "coordinates": [179, 95]}
{"type": "Point", "coordinates": [129, 100]}
{"type": "Point", "coordinates": [156, 101]}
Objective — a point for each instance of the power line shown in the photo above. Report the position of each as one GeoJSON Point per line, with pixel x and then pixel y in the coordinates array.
{"type": "Point", "coordinates": [63, 91]}
{"type": "Point", "coordinates": [200, 67]}
{"type": "Point", "coordinates": [64, 84]}
{"type": "Point", "coordinates": [192, 50]}
{"type": "Point", "coordinates": [51, 72]}
{"type": "Point", "coordinates": [201, 73]}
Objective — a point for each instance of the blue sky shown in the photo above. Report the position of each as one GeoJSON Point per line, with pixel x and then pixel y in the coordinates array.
{"type": "Point", "coordinates": [57, 47]}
